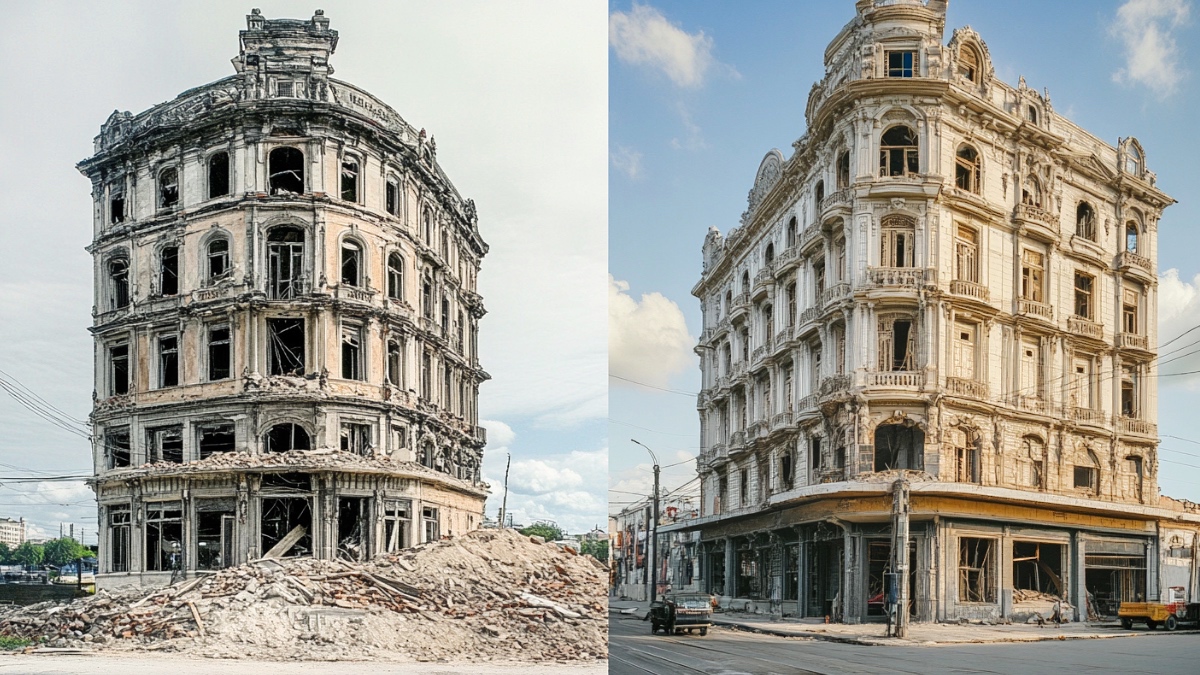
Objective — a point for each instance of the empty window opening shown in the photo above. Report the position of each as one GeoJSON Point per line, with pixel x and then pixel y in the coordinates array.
{"type": "Point", "coordinates": [902, 64]}
{"type": "Point", "coordinates": [843, 170]}
{"type": "Point", "coordinates": [166, 445]}
{"type": "Point", "coordinates": [286, 346]}
{"type": "Point", "coordinates": [898, 152]}
{"type": "Point", "coordinates": [968, 64]}
{"type": "Point", "coordinates": [1131, 237]}
{"type": "Point", "coordinates": [897, 344]}
{"type": "Point", "coordinates": [395, 364]}
{"type": "Point", "coordinates": [899, 446]}
{"type": "Point", "coordinates": [1087, 475]}
{"type": "Point", "coordinates": [433, 527]}
{"type": "Point", "coordinates": [397, 524]}
{"type": "Point", "coordinates": [769, 254]}
{"type": "Point", "coordinates": [976, 570]}
{"type": "Point", "coordinates": [791, 241]}
{"type": "Point", "coordinates": [116, 446]}
{"type": "Point", "coordinates": [392, 197]}
{"type": "Point", "coordinates": [218, 259]}
{"type": "Point", "coordinates": [1037, 571]}
{"type": "Point", "coordinates": [1114, 572]}
{"type": "Point", "coordinates": [1035, 449]}
{"type": "Point", "coordinates": [218, 353]}
{"type": "Point", "coordinates": [215, 439]}
{"type": "Point", "coordinates": [966, 169]}
{"type": "Point", "coordinates": [897, 238]}
{"type": "Point", "coordinates": [426, 375]}
{"type": "Point", "coordinates": [1083, 295]}
{"type": "Point", "coordinates": [352, 527]}
{"type": "Point", "coordinates": [286, 527]}
{"type": "Point", "coordinates": [1085, 221]}
{"type": "Point", "coordinates": [118, 375]}
{"type": "Point", "coordinates": [351, 263]}
{"type": "Point", "coordinates": [285, 259]}
{"type": "Point", "coordinates": [116, 207]}
{"type": "Point", "coordinates": [118, 283]}
{"type": "Point", "coordinates": [1136, 475]}
{"type": "Point", "coordinates": [119, 521]}
{"type": "Point", "coordinates": [356, 438]}
{"type": "Point", "coordinates": [1031, 192]}
{"type": "Point", "coordinates": [819, 193]}
{"type": "Point", "coordinates": [445, 316]}
{"type": "Point", "coordinates": [395, 283]}
{"type": "Point", "coordinates": [168, 271]}
{"type": "Point", "coordinates": [352, 352]}
{"type": "Point", "coordinates": [1129, 391]}
{"type": "Point", "coordinates": [214, 534]}
{"type": "Point", "coordinates": [168, 187]}
{"type": "Point", "coordinates": [427, 297]}
{"type": "Point", "coordinates": [349, 179]}
{"type": "Point", "coordinates": [743, 487]}
{"type": "Point", "coordinates": [286, 167]}
{"type": "Point", "coordinates": [287, 437]}
{"type": "Point", "coordinates": [164, 537]}
{"type": "Point", "coordinates": [281, 483]}
{"type": "Point", "coordinates": [749, 574]}
{"type": "Point", "coordinates": [1031, 114]}
{"type": "Point", "coordinates": [168, 361]}
{"type": "Point", "coordinates": [218, 175]}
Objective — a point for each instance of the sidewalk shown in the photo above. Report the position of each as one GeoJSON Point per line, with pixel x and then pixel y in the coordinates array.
{"type": "Point", "coordinates": [918, 633]}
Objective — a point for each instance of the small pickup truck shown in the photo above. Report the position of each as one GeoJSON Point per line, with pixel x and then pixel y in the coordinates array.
{"type": "Point", "coordinates": [1172, 614]}
{"type": "Point", "coordinates": [678, 612]}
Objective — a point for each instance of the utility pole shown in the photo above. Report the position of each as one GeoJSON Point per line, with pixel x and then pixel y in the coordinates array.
{"type": "Point", "coordinates": [653, 557]}
{"type": "Point", "coordinates": [504, 503]}
{"type": "Point", "coordinates": [900, 508]}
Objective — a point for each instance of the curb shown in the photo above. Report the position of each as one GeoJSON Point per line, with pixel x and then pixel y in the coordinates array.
{"type": "Point", "coordinates": [874, 641]}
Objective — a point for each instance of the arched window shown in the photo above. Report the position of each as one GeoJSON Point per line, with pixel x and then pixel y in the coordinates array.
{"type": "Point", "coordinates": [351, 263]}
{"type": "Point", "coordinates": [819, 193]}
{"type": "Point", "coordinates": [1031, 114]}
{"type": "Point", "coordinates": [899, 446]}
{"type": "Point", "coordinates": [168, 187]}
{"type": "Point", "coordinates": [968, 64]}
{"type": "Point", "coordinates": [218, 258]}
{"type": "Point", "coordinates": [427, 227]}
{"type": "Point", "coordinates": [769, 254]}
{"type": "Point", "coordinates": [285, 262]}
{"type": "Point", "coordinates": [768, 317]}
{"type": "Point", "coordinates": [898, 152]}
{"type": "Point", "coordinates": [791, 232]}
{"type": "Point", "coordinates": [843, 170]}
{"type": "Point", "coordinates": [168, 271]}
{"type": "Point", "coordinates": [285, 437]}
{"type": "Point", "coordinates": [349, 179]}
{"type": "Point", "coordinates": [1085, 221]}
{"type": "Point", "coordinates": [745, 282]}
{"type": "Point", "coordinates": [1131, 237]}
{"type": "Point", "coordinates": [286, 171]}
{"type": "Point", "coordinates": [966, 169]}
{"type": "Point", "coordinates": [218, 175]}
{"type": "Point", "coordinates": [1031, 191]}
{"type": "Point", "coordinates": [427, 296]}
{"type": "Point", "coordinates": [1133, 160]}
{"type": "Point", "coordinates": [395, 276]}
{"type": "Point", "coordinates": [118, 283]}
{"type": "Point", "coordinates": [728, 302]}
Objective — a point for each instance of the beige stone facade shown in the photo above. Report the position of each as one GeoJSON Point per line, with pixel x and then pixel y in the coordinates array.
{"type": "Point", "coordinates": [947, 282]}
{"type": "Point", "coordinates": [12, 532]}
{"type": "Point", "coordinates": [285, 322]}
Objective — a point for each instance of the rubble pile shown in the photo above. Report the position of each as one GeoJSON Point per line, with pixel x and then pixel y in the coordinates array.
{"type": "Point", "coordinates": [488, 595]}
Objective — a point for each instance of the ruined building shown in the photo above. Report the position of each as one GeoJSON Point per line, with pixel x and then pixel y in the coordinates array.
{"type": "Point", "coordinates": [285, 322]}
{"type": "Point", "coordinates": [946, 282]}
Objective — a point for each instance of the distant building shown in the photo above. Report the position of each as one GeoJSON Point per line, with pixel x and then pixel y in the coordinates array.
{"type": "Point", "coordinates": [12, 532]}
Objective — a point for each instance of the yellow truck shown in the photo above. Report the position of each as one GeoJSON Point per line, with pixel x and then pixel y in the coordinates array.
{"type": "Point", "coordinates": [1173, 613]}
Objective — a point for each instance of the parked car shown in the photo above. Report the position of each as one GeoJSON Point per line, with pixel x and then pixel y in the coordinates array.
{"type": "Point", "coordinates": [1173, 613]}
{"type": "Point", "coordinates": [678, 612]}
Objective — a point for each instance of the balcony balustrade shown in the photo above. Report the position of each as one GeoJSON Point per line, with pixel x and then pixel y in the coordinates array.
{"type": "Point", "coordinates": [1032, 308]}
{"type": "Point", "coordinates": [1131, 425]}
{"type": "Point", "coordinates": [834, 383]}
{"type": "Point", "coordinates": [969, 289]}
{"type": "Point", "coordinates": [1128, 259]}
{"type": "Point", "coordinates": [839, 198]}
{"type": "Point", "coordinates": [781, 420]}
{"type": "Point", "coordinates": [834, 293]}
{"type": "Point", "coordinates": [1035, 214]}
{"type": "Point", "coordinates": [1081, 326]}
{"type": "Point", "coordinates": [1034, 404]}
{"type": "Point", "coordinates": [896, 277]}
{"type": "Point", "coordinates": [807, 403]}
{"type": "Point", "coordinates": [896, 378]}
{"type": "Point", "coordinates": [1133, 341]}
{"type": "Point", "coordinates": [958, 386]}
{"type": "Point", "coordinates": [1087, 416]}
{"type": "Point", "coordinates": [737, 440]}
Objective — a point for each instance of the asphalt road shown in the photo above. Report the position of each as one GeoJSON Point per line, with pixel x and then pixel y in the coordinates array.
{"type": "Point", "coordinates": [134, 663]}
{"type": "Point", "coordinates": [633, 651]}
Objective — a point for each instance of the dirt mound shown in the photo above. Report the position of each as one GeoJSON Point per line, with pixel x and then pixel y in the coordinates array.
{"type": "Point", "coordinates": [488, 595]}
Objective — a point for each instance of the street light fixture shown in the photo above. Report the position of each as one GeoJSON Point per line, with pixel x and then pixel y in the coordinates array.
{"type": "Point", "coordinates": [654, 537]}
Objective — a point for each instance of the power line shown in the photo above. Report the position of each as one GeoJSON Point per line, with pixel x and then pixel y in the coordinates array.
{"type": "Point", "coordinates": [651, 386]}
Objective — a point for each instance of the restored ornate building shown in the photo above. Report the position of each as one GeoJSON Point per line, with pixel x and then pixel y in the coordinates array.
{"type": "Point", "coordinates": [946, 282]}
{"type": "Point", "coordinates": [285, 322]}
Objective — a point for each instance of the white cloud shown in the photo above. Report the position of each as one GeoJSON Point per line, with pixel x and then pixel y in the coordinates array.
{"type": "Point", "coordinates": [566, 488]}
{"type": "Point", "coordinates": [499, 434]}
{"type": "Point", "coordinates": [648, 340]}
{"type": "Point", "coordinates": [1178, 307]}
{"type": "Point", "coordinates": [1152, 55]}
{"type": "Point", "coordinates": [693, 140]}
{"type": "Point", "coordinates": [628, 161]}
{"type": "Point", "coordinates": [645, 37]}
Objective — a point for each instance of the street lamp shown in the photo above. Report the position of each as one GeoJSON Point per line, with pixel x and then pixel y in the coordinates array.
{"type": "Point", "coordinates": [654, 540]}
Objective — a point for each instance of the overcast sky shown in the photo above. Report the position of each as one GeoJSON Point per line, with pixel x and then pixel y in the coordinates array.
{"type": "Point", "coordinates": [514, 92]}
{"type": "Point", "coordinates": [701, 90]}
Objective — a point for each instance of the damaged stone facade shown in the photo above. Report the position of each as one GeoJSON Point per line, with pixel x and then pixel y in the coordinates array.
{"type": "Point", "coordinates": [285, 323]}
{"type": "Point", "coordinates": [946, 282]}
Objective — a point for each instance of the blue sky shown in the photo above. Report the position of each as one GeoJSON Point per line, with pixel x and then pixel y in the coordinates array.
{"type": "Point", "coordinates": [701, 90]}
{"type": "Point", "coordinates": [520, 117]}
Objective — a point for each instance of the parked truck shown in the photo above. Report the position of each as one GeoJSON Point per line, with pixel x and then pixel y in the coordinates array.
{"type": "Point", "coordinates": [1172, 614]}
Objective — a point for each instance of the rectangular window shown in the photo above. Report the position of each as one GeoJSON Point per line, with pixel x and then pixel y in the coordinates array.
{"type": "Point", "coordinates": [392, 197]}
{"type": "Point", "coordinates": [397, 521]}
{"type": "Point", "coordinates": [1083, 295]}
{"type": "Point", "coordinates": [168, 361]}
{"type": "Point", "coordinates": [966, 255]}
{"type": "Point", "coordinates": [215, 439]}
{"type": "Point", "coordinates": [395, 374]}
{"type": "Point", "coordinates": [1032, 275]}
{"type": "Point", "coordinates": [166, 445]}
{"type": "Point", "coordinates": [285, 89]}
{"type": "Point", "coordinates": [218, 175]}
{"type": "Point", "coordinates": [352, 352]}
{"type": "Point", "coordinates": [350, 179]}
{"type": "Point", "coordinates": [164, 537]}
{"type": "Point", "coordinates": [902, 64]}
{"type": "Point", "coordinates": [219, 365]}
{"type": "Point", "coordinates": [168, 275]}
{"type": "Point", "coordinates": [743, 487]}
{"type": "Point", "coordinates": [118, 369]}
{"type": "Point", "coordinates": [1129, 311]}
{"type": "Point", "coordinates": [1032, 380]}
{"type": "Point", "coordinates": [116, 448]}
{"type": "Point", "coordinates": [785, 471]}
{"type": "Point", "coordinates": [964, 350]}
{"type": "Point", "coordinates": [119, 521]}
{"type": "Point", "coordinates": [426, 375]}
{"type": "Point", "coordinates": [214, 534]}
{"type": "Point", "coordinates": [1081, 384]}
{"type": "Point", "coordinates": [433, 529]}
{"type": "Point", "coordinates": [116, 208]}
{"type": "Point", "coordinates": [285, 346]}
{"type": "Point", "coordinates": [356, 438]}
{"type": "Point", "coordinates": [1085, 477]}
{"type": "Point", "coordinates": [976, 570]}
{"type": "Point", "coordinates": [1129, 392]}
{"type": "Point", "coordinates": [897, 247]}
{"type": "Point", "coordinates": [897, 345]}
{"type": "Point", "coordinates": [218, 259]}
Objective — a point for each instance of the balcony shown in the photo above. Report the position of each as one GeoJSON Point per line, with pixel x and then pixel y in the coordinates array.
{"type": "Point", "coordinates": [1128, 260]}
{"type": "Point", "coordinates": [896, 277]}
{"type": "Point", "coordinates": [808, 236]}
{"type": "Point", "coordinates": [834, 293]}
{"type": "Point", "coordinates": [786, 260]}
{"type": "Point", "coordinates": [1036, 309]}
{"type": "Point", "coordinates": [737, 440]}
{"type": "Point", "coordinates": [959, 386]}
{"type": "Point", "coordinates": [762, 281]}
{"type": "Point", "coordinates": [741, 303]}
{"type": "Point", "coordinates": [1038, 222]}
{"type": "Point", "coordinates": [1133, 341]}
{"type": "Point", "coordinates": [481, 434]}
{"type": "Point", "coordinates": [1087, 416]}
{"type": "Point", "coordinates": [1033, 404]}
{"type": "Point", "coordinates": [354, 294]}
{"type": "Point", "coordinates": [783, 419]}
{"type": "Point", "coordinates": [807, 403]}
{"type": "Point", "coordinates": [784, 336]}
{"type": "Point", "coordinates": [1081, 326]}
{"type": "Point", "coordinates": [901, 379]}
{"type": "Point", "coordinates": [969, 289]}
{"type": "Point", "coordinates": [1131, 425]}
{"type": "Point", "coordinates": [716, 453]}
{"type": "Point", "coordinates": [834, 383]}
{"type": "Point", "coordinates": [808, 316]}
{"type": "Point", "coordinates": [839, 198]}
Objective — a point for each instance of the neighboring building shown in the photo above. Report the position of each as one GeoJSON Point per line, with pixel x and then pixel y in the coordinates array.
{"type": "Point", "coordinates": [629, 551]}
{"type": "Point", "coordinates": [12, 532]}
{"type": "Point", "coordinates": [946, 283]}
{"type": "Point", "coordinates": [285, 322]}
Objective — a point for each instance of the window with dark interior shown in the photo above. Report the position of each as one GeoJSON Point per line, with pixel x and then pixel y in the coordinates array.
{"type": "Point", "coordinates": [351, 263]}
{"type": "Point", "coordinates": [218, 175]}
{"type": "Point", "coordinates": [218, 259]}
{"type": "Point", "coordinates": [168, 272]}
{"type": "Point", "coordinates": [218, 353]}
{"type": "Point", "coordinates": [966, 169]}
{"type": "Point", "coordinates": [843, 170]}
{"type": "Point", "coordinates": [168, 187]}
{"type": "Point", "coordinates": [1085, 221]}
{"type": "Point", "coordinates": [392, 196]}
{"type": "Point", "coordinates": [168, 361]}
{"type": "Point", "coordinates": [118, 373]}
{"type": "Point", "coordinates": [285, 262]}
{"type": "Point", "coordinates": [286, 171]}
{"type": "Point", "coordinates": [352, 352]}
{"type": "Point", "coordinates": [902, 64]}
{"type": "Point", "coordinates": [898, 152]}
{"type": "Point", "coordinates": [116, 206]}
{"type": "Point", "coordinates": [350, 179]}
{"type": "Point", "coordinates": [285, 437]}
{"type": "Point", "coordinates": [395, 283]}
{"type": "Point", "coordinates": [118, 283]}
{"type": "Point", "coordinates": [285, 346]}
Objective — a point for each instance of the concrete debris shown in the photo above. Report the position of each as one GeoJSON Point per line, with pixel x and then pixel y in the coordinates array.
{"type": "Point", "coordinates": [486, 596]}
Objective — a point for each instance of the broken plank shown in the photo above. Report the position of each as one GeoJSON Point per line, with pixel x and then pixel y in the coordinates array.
{"type": "Point", "coordinates": [289, 540]}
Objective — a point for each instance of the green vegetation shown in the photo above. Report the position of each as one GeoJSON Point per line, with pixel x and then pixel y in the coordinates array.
{"type": "Point", "coordinates": [596, 549]}
{"type": "Point", "coordinates": [56, 552]}
{"type": "Point", "coordinates": [9, 643]}
{"type": "Point", "coordinates": [547, 531]}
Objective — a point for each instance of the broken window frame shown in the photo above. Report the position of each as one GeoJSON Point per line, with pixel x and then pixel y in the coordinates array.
{"type": "Point", "coordinates": [285, 262]}
{"type": "Point", "coordinates": [212, 439]}
{"type": "Point", "coordinates": [977, 570]}
{"type": "Point", "coordinates": [352, 263]}
{"type": "Point", "coordinates": [397, 524]}
{"type": "Point", "coordinates": [1085, 221]}
{"type": "Point", "coordinates": [118, 369]}
{"type": "Point", "coordinates": [1085, 476]}
{"type": "Point", "coordinates": [395, 267]}
{"type": "Point", "coordinates": [285, 174]}
{"type": "Point", "coordinates": [117, 449]}
{"type": "Point", "coordinates": [163, 537]}
{"type": "Point", "coordinates": [218, 175]}
{"type": "Point", "coordinates": [897, 241]}
{"type": "Point", "coordinates": [168, 360]}
{"type": "Point", "coordinates": [1031, 191]}
{"type": "Point", "coordinates": [787, 476]}
{"type": "Point", "coordinates": [899, 447]}
{"type": "Point", "coordinates": [217, 254]}
{"type": "Point", "coordinates": [286, 437]}
{"type": "Point", "coordinates": [395, 364]}
{"type": "Point", "coordinates": [118, 283]}
{"type": "Point", "coordinates": [743, 487]}
{"type": "Point", "coordinates": [431, 525]}
{"type": "Point", "coordinates": [168, 271]}
{"type": "Point", "coordinates": [116, 205]}
{"type": "Point", "coordinates": [215, 550]}
{"type": "Point", "coordinates": [284, 358]}
{"type": "Point", "coordinates": [968, 64]}
{"type": "Point", "coordinates": [295, 510]}
{"type": "Point", "coordinates": [168, 187]}
{"type": "Point", "coordinates": [899, 152]}
{"type": "Point", "coordinates": [349, 178]}
{"type": "Point", "coordinates": [352, 349]}
{"type": "Point", "coordinates": [1033, 275]}
{"type": "Point", "coordinates": [220, 352]}
{"type": "Point", "coordinates": [165, 444]}
{"type": "Point", "coordinates": [893, 331]}
{"type": "Point", "coordinates": [391, 198]}
{"type": "Point", "coordinates": [1085, 286]}
{"type": "Point", "coordinates": [355, 437]}
{"type": "Point", "coordinates": [120, 528]}
{"type": "Point", "coordinates": [1034, 572]}
{"type": "Point", "coordinates": [966, 254]}
{"type": "Point", "coordinates": [967, 169]}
